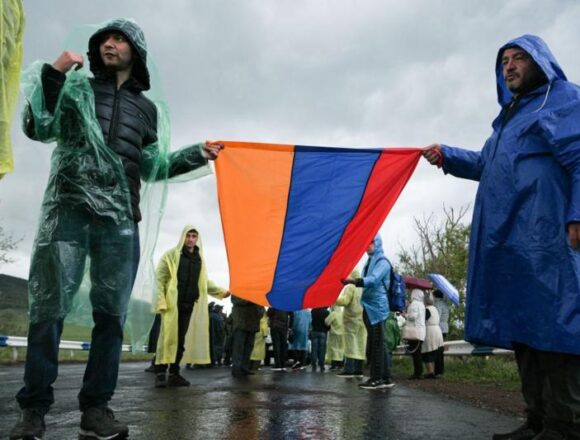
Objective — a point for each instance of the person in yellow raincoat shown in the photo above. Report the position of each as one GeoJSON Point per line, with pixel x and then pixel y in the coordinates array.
{"type": "Point", "coordinates": [11, 30]}
{"type": "Point", "coordinates": [259, 351]}
{"type": "Point", "coordinates": [335, 343]}
{"type": "Point", "coordinates": [182, 292]}
{"type": "Point", "coordinates": [355, 333]}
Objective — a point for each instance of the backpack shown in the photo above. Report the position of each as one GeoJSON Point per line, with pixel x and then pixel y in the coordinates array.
{"type": "Point", "coordinates": [396, 292]}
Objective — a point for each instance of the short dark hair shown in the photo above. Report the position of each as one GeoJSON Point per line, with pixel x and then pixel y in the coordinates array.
{"type": "Point", "coordinates": [437, 293]}
{"type": "Point", "coordinates": [193, 230]}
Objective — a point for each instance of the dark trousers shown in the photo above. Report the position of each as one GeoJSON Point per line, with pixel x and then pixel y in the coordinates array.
{"type": "Point", "coordinates": [280, 347]}
{"type": "Point", "coordinates": [551, 388]}
{"type": "Point", "coordinates": [243, 344]}
{"type": "Point", "coordinates": [440, 359]}
{"type": "Point", "coordinates": [318, 348]}
{"type": "Point", "coordinates": [415, 349]}
{"type": "Point", "coordinates": [154, 334]}
{"type": "Point", "coordinates": [100, 378]}
{"type": "Point", "coordinates": [377, 355]}
{"type": "Point", "coordinates": [353, 366]}
{"type": "Point", "coordinates": [183, 318]}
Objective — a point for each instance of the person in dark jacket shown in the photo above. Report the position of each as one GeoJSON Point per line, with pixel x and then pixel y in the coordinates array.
{"type": "Point", "coordinates": [279, 322]}
{"type": "Point", "coordinates": [246, 322]}
{"type": "Point", "coordinates": [523, 279]}
{"type": "Point", "coordinates": [228, 339]}
{"type": "Point", "coordinates": [106, 132]}
{"type": "Point", "coordinates": [319, 333]}
{"type": "Point", "coordinates": [216, 333]}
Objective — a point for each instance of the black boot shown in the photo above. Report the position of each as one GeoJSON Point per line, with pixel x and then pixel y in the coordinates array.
{"type": "Point", "coordinates": [30, 425]}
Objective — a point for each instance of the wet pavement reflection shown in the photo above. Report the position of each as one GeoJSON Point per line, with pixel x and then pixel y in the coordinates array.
{"type": "Point", "coordinates": [269, 405]}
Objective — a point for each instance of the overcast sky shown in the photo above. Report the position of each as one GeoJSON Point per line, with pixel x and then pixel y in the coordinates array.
{"type": "Point", "coordinates": [335, 72]}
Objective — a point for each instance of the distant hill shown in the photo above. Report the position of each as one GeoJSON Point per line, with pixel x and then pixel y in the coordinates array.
{"type": "Point", "coordinates": [13, 292]}
{"type": "Point", "coordinates": [13, 306]}
{"type": "Point", "coordinates": [14, 313]}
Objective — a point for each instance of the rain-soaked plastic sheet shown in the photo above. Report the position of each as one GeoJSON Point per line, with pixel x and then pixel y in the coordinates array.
{"type": "Point", "coordinates": [87, 242]}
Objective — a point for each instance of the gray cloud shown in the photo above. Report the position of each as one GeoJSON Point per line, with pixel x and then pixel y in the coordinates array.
{"type": "Point", "coordinates": [365, 73]}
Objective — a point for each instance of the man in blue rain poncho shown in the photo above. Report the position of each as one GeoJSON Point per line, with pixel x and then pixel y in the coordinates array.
{"type": "Point", "coordinates": [375, 282]}
{"type": "Point", "coordinates": [523, 289]}
{"type": "Point", "coordinates": [107, 142]}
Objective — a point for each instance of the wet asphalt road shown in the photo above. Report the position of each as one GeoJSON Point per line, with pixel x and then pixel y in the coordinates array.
{"type": "Point", "coordinates": [269, 405]}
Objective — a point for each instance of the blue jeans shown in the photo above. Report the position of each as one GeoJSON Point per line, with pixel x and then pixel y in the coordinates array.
{"type": "Point", "coordinates": [318, 348]}
{"type": "Point", "coordinates": [100, 378]}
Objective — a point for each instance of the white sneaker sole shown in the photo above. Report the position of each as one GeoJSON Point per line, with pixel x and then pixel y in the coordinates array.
{"type": "Point", "coordinates": [86, 435]}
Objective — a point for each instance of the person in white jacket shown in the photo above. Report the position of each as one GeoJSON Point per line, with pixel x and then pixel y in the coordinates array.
{"type": "Point", "coordinates": [433, 337]}
{"type": "Point", "coordinates": [415, 317]}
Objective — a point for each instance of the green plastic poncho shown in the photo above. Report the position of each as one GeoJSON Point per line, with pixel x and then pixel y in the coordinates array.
{"type": "Point", "coordinates": [197, 350]}
{"type": "Point", "coordinates": [11, 31]}
{"type": "Point", "coordinates": [355, 332]}
{"type": "Point", "coordinates": [87, 238]}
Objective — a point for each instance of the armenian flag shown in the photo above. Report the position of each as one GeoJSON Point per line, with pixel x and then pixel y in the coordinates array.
{"type": "Point", "coordinates": [297, 219]}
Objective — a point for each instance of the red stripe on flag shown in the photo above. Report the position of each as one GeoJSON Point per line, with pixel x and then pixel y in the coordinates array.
{"type": "Point", "coordinates": [390, 175]}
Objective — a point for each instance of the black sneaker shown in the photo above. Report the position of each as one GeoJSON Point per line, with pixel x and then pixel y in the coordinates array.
{"type": "Point", "coordinates": [100, 423]}
{"type": "Point", "coordinates": [523, 432]}
{"type": "Point", "coordinates": [345, 374]}
{"type": "Point", "coordinates": [372, 384]}
{"type": "Point", "coordinates": [388, 383]}
{"type": "Point", "coordinates": [30, 426]}
{"type": "Point", "coordinates": [176, 380]}
{"type": "Point", "coordinates": [160, 380]}
{"type": "Point", "coordinates": [150, 369]}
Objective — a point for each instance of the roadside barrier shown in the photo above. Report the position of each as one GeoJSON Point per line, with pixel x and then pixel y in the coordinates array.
{"type": "Point", "coordinates": [16, 342]}
{"type": "Point", "coordinates": [452, 348]}
{"type": "Point", "coordinates": [462, 348]}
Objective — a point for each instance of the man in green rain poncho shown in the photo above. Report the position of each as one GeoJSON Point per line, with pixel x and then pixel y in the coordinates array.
{"type": "Point", "coordinates": [108, 141]}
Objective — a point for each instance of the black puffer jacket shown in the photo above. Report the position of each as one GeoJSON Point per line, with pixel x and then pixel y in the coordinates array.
{"type": "Point", "coordinates": [127, 118]}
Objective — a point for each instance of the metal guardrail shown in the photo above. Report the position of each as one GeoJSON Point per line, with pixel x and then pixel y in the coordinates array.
{"type": "Point", "coordinates": [462, 348]}
{"type": "Point", "coordinates": [16, 342]}
{"type": "Point", "coordinates": [452, 348]}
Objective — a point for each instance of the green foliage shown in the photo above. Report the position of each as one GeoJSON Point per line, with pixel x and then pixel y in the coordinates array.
{"type": "Point", "coordinates": [443, 249]}
{"type": "Point", "coordinates": [7, 243]}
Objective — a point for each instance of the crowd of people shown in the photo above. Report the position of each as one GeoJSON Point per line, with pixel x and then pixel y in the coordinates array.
{"type": "Point", "coordinates": [358, 328]}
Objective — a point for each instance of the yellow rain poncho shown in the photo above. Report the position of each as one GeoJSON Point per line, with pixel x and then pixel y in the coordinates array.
{"type": "Point", "coordinates": [197, 336]}
{"type": "Point", "coordinates": [335, 342]}
{"type": "Point", "coordinates": [11, 30]}
{"type": "Point", "coordinates": [355, 333]}
{"type": "Point", "coordinates": [259, 351]}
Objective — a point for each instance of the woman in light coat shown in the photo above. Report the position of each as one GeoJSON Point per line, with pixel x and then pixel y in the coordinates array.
{"type": "Point", "coordinates": [415, 320]}
{"type": "Point", "coordinates": [433, 337]}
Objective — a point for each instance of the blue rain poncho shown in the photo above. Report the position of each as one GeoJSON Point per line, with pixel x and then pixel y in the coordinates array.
{"type": "Point", "coordinates": [524, 277]}
{"type": "Point", "coordinates": [300, 327]}
{"type": "Point", "coordinates": [376, 279]}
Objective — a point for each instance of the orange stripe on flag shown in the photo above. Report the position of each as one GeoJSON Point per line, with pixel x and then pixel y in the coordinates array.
{"type": "Point", "coordinates": [253, 183]}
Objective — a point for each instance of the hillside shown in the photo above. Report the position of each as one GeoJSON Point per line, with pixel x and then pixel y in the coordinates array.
{"type": "Point", "coordinates": [13, 292]}
{"type": "Point", "coordinates": [14, 314]}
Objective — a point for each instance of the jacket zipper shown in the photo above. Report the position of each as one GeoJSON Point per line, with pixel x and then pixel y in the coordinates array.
{"type": "Point", "coordinates": [114, 122]}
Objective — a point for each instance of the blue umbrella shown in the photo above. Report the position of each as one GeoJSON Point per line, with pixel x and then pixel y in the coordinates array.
{"type": "Point", "coordinates": [446, 287]}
